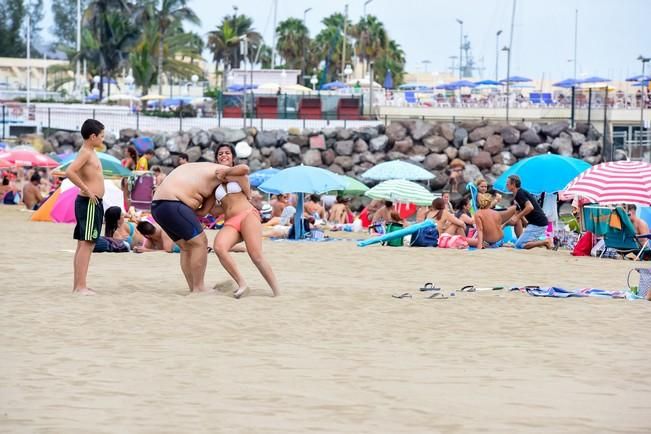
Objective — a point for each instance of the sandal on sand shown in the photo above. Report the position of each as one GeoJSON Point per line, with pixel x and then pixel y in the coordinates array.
{"type": "Point", "coordinates": [437, 296]}
{"type": "Point", "coordinates": [403, 295]}
{"type": "Point", "coordinates": [429, 286]}
{"type": "Point", "coordinates": [468, 288]}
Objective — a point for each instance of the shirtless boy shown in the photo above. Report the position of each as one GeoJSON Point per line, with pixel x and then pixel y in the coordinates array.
{"type": "Point", "coordinates": [32, 192]}
{"type": "Point", "coordinates": [187, 192]}
{"type": "Point", "coordinates": [86, 173]}
{"type": "Point", "coordinates": [489, 222]}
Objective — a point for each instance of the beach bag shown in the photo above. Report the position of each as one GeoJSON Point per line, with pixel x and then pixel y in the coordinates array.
{"type": "Point", "coordinates": [425, 237]}
{"type": "Point", "coordinates": [395, 242]}
{"type": "Point", "coordinates": [644, 287]}
{"type": "Point", "coordinates": [584, 246]}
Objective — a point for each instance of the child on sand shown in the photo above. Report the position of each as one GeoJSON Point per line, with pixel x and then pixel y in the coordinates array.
{"type": "Point", "coordinates": [86, 173]}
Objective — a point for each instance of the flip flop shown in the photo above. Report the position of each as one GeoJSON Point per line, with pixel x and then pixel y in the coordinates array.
{"type": "Point", "coordinates": [437, 296]}
{"type": "Point", "coordinates": [468, 288]}
{"type": "Point", "coordinates": [403, 295]}
{"type": "Point", "coordinates": [429, 286]}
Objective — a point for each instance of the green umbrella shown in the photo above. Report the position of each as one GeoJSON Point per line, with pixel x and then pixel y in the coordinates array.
{"type": "Point", "coordinates": [400, 190]}
{"type": "Point", "coordinates": [353, 187]}
{"type": "Point", "coordinates": [111, 166]}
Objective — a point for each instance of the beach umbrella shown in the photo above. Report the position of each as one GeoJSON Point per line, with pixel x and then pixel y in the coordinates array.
{"type": "Point", "coordinates": [388, 80]}
{"type": "Point", "coordinates": [595, 79]}
{"type": "Point", "coordinates": [334, 85]}
{"type": "Point", "coordinates": [446, 87]}
{"type": "Point", "coordinates": [640, 83]}
{"type": "Point", "coordinates": [63, 210]}
{"type": "Point", "coordinates": [567, 83]}
{"type": "Point", "coordinates": [487, 83]}
{"type": "Point", "coordinates": [397, 170]}
{"type": "Point", "coordinates": [241, 87]}
{"type": "Point", "coordinates": [5, 164]}
{"type": "Point", "coordinates": [415, 86]}
{"type": "Point", "coordinates": [301, 180]}
{"type": "Point", "coordinates": [353, 187]}
{"type": "Point", "coordinates": [111, 166]}
{"type": "Point", "coordinates": [615, 182]}
{"type": "Point", "coordinates": [152, 97]}
{"type": "Point", "coordinates": [546, 173]}
{"type": "Point", "coordinates": [260, 176]}
{"type": "Point", "coordinates": [23, 157]}
{"type": "Point", "coordinates": [400, 190]}
{"type": "Point", "coordinates": [142, 144]}
{"type": "Point", "coordinates": [639, 78]}
{"type": "Point", "coordinates": [515, 79]}
{"type": "Point", "coordinates": [462, 83]}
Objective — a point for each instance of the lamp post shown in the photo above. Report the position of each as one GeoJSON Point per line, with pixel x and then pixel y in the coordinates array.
{"type": "Point", "coordinates": [508, 79]}
{"type": "Point", "coordinates": [460, 47]}
{"type": "Point", "coordinates": [347, 73]}
{"type": "Point", "coordinates": [303, 63]}
{"type": "Point", "coordinates": [643, 98]}
{"type": "Point", "coordinates": [576, 28]}
{"type": "Point", "coordinates": [343, 50]}
{"type": "Point", "coordinates": [370, 89]}
{"type": "Point", "coordinates": [497, 54]}
{"type": "Point", "coordinates": [314, 81]}
{"type": "Point", "coordinates": [129, 80]}
{"type": "Point", "coordinates": [365, 3]}
{"type": "Point", "coordinates": [425, 63]}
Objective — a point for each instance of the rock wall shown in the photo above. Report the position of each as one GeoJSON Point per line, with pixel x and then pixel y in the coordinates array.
{"type": "Point", "coordinates": [486, 148]}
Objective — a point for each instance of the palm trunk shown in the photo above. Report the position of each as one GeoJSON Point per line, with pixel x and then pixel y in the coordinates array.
{"type": "Point", "coordinates": [160, 64]}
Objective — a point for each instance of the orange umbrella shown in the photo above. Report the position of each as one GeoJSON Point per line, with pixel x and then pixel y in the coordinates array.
{"type": "Point", "coordinates": [43, 213]}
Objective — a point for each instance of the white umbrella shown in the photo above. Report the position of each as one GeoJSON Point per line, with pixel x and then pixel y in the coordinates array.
{"type": "Point", "coordinates": [397, 170]}
{"type": "Point", "coordinates": [399, 190]}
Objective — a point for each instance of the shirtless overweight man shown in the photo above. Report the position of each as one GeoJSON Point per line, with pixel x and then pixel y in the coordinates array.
{"type": "Point", "coordinates": [186, 193]}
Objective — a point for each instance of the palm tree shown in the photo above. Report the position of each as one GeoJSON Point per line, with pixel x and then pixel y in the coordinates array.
{"type": "Point", "coordinates": [371, 38]}
{"type": "Point", "coordinates": [392, 57]}
{"type": "Point", "coordinates": [329, 43]}
{"type": "Point", "coordinates": [168, 15]}
{"type": "Point", "coordinates": [293, 38]}
{"type": "Point", "coordinates": [224, 42]}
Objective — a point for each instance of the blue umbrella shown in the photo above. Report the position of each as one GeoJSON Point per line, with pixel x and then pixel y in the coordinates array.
{"type": "Point", "coordinates": [334, 85]}
{"type": "Point", "coordinates": [567, 83]}
{"type": "Point", "coordinates": [641, 83]}
{"type": "Point", "coordinates": [639, 78]}
{"type": "Point", "coordinates": [397, 170]}
{"type": "Point", "coordinates": [241, 87]}
{"type": "Point", "coordinates": [446, 87]}
{"type": "Point", "coordinates": [547, 173]}
{"type": "Point", "coordinates": [595, 80]}
{"type": "Point", "coordinates": [487, 83]}
{"type": "Point", "coordinates": [462, 83]}
{"type": "Point", "coordinates": [388, 80]}
{"type": "Point", "coordinates": [515, 79]}
{"type": "Point", "coordinates": [260, 176]}
{"type": "Point", "coordinates": [302, 179]}
{"type": "Point", "coordinates": [415, 86]}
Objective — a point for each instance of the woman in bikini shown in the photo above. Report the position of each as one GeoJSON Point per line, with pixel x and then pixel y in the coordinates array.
{"type": "Point", "coordinates": [451, 229]}
{"type": "Point", "coordinates": [242, 223]}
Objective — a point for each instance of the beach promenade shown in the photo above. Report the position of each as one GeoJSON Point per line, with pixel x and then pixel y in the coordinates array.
{"type": "Point", "coordinates": [334, 353]}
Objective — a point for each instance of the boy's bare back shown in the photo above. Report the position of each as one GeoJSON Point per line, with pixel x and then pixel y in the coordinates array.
{"type": "Point", "coordinates": [91, 173]}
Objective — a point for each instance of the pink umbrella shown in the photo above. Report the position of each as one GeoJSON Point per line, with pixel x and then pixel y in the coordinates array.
{"type": "Point", "coordinates": [614, 182]}
{"type": "Point", "coordinates": [64, 210]}
{"type": "Point", "coordinates": [24, 157]}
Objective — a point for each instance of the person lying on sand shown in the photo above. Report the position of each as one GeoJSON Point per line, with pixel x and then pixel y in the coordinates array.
{"type": "Point", "coordinates": [156, 240]}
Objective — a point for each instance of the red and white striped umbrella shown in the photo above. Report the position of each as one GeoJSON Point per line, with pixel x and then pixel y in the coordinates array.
{"type": "Point", "coordinates": [614, 182]}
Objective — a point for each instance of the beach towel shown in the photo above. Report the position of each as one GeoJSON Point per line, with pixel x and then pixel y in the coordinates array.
{"type": "Point", "coordinates": [556, 292]}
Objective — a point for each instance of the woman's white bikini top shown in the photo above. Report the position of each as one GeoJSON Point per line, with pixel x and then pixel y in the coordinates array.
{"type": "Point", "coordinates": [231, 187]}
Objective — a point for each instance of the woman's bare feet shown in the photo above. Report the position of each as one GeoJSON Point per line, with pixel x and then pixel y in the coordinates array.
{"type": "Point", "coordinates": [84, 291]}
{"type": "Point", "coordinates": [239, 292]}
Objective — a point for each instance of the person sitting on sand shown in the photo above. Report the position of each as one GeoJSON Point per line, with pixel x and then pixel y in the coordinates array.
{"type": "Point", "coordinates": [383, 214]}
{"type": "Point", "coordinates": [32, 192]}
{"type": "Point", "coordinates": [119, 228]}
{"type": "Point", "coordinates": [482, 188]}
{"type": "Point", "coordinates": [641, 228]}
{"type": "Point", "coordinates": [159, 176]}
{"type": "Point", "coordinates": [529, 208]}
{"type": "Point", "coordinates": [451, 229]}
{"type": "Point", "coordinates": [279, 203]}
{"type": "Point", "coordinates": [339, 211]}
{"type": "Point", "coordinates": [462, 212]}
{"type": "Point", "coordinates": [314, 208]}
{"type": "Point", "coordinates": [156, 240]}
{"type": "Point", "coordinates": [489, 222]}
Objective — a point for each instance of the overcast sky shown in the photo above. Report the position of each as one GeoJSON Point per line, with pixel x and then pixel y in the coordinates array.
{"type": "Point", "coordinates": [611, 33]}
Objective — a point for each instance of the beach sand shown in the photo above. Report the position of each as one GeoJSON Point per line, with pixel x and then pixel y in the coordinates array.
{"type": "Point", "coordinates": [334, 353]}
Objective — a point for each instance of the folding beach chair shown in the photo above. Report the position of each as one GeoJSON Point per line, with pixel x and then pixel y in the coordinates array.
{"type": "Point", "coordinates": [534, 98]}
{"type": "Point", "coordinates": [142, 192]}
{"type": "Point", "coordinates": [547, 99]}
{"type": "Point", "coordinates": [625, 240]}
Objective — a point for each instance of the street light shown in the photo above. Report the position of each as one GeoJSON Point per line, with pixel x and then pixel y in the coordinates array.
{"type": "Point", "coordinates": [347, 72]}
{"type": "Point", "coordinates": [425, 63]}
{"type": "Point", "coordinates": [314, 81]}
{"type": "Point", "coordinates": [643, 98]}
{"type": "Point", "coordinates": [508, 79]}
{"type": "Point", "coordinates": [460, 47]}
{"type": "Point", "coordinates": [303, 43]}
{"type": "Point", "coordinates": [129, 80]}
{"type": "Point", "coordinates": [365, 3]}
{"type": "Point", "coordinates": [497, 54]}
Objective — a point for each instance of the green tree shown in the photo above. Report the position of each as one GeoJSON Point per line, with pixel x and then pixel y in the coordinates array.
{"type": "Point", "coordinates": [65, 21]}
{"type": "Point", "coordinates": [329, 44]}
{"type": "Point", "coordinates": [12, 18]}
{"type": "Point", "coordinates": [392, 57]}
{"type": "Point", "coordinates": [224, 42]}
{"type": "Point", "coordinates": [293, 41]}
{"type": "Point", "coordinates": [371, 37]}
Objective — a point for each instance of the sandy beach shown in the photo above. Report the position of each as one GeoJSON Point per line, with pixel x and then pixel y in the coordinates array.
{"type": "Point", "coordinates": [335, 353]}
